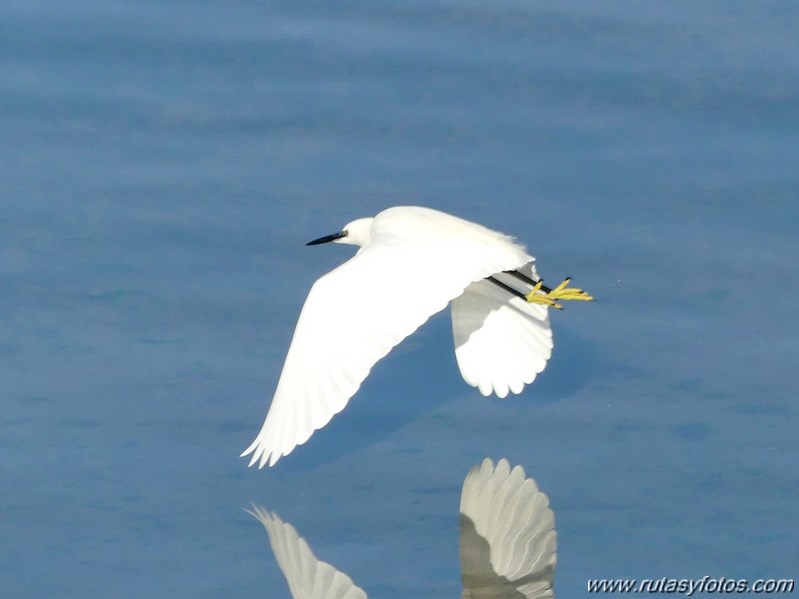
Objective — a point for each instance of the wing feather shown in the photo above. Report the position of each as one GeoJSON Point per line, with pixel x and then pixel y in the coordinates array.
{"type": "Point", "coordinates": [501, 341]}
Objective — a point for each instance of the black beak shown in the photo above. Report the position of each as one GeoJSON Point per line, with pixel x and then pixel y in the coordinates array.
{"type": "Point", "coordinates": [328, 238]}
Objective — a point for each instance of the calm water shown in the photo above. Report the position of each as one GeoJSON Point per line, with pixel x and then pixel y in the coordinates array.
{"type": "Point", "coordinates": [162, 165]}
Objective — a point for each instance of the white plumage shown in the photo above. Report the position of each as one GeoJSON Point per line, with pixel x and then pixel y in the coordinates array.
{"type": "Point", "coordinates": [412, 262]}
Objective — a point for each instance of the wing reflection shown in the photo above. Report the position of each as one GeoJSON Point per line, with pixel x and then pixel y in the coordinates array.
{"type": "Point", "coordinates": [508, 539]}
{"type": "Point", "coordinates": [308, 577]}
{"type": "Point", "coordinates": [507, 544]}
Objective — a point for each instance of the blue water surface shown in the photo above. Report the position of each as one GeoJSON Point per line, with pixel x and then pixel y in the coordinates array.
{"type": "Point", "coordinates": [162, 165]}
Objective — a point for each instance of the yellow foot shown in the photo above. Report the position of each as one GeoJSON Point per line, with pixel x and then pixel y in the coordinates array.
{"type": "Point", "coordinates": [547, 297]}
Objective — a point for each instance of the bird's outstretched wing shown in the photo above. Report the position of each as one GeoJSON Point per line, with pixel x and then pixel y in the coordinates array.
{"type": "Point", "coordinates": [357, 313]}
{"type": "Point", "coordinates": [508, 540]}
{"type": "Point", "coordinates": [501, 341]}
{"type": "Point", "coordinates": [307, 577]}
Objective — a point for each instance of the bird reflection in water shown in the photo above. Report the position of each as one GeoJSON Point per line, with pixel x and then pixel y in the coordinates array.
{"type": "Point", "coordinates": [507, 542]}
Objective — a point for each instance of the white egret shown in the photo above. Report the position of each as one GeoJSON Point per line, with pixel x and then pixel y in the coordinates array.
{"type": "Point", "coordinates": [412, 262]}
{"type": "Point", "coordinates": [508, 542]}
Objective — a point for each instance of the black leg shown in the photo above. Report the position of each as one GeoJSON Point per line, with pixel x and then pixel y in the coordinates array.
{"type": "Point", "coordinates": [507, 288]}
{"type": "Point", "coordinates": [528, 280]}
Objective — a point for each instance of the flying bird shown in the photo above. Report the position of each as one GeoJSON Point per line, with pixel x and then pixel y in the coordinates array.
{"type": "Point", "coordinates": [412, 262]}
{"type": "Point", "coordinates": [508, 543]}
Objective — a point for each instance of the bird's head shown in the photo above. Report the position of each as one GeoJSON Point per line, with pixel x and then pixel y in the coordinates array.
{"type": "Point", "coordinates": [355, 233]}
